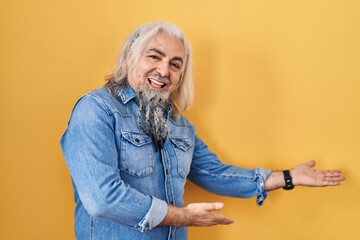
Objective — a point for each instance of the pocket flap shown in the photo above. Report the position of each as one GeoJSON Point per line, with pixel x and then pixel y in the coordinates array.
{"type": "Point", "coordinates": [183, 143]}
{"type": "Point", "coordinates": [136, 138]}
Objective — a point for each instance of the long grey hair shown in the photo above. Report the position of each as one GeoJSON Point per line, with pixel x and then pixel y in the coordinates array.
{"type": "Point", "coordinates": [131, 53]}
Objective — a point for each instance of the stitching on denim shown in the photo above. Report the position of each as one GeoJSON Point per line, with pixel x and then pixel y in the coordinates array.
{"type": "Point", "coordinates": [224, 175]}
{"type": "Point", "coordinates": [178, 154]}
{"type": "Point", "coordinates": [109, 111]}
{"type": "Point", "coordinates": [91, 228]}
{"type": "Point", "coordinates": [184, 122]}
{"type": "Point", "coordinates": [171, 185]}
{"type": "Point", "coordinates": [182, 143]}
{"type": "Point", "coordinates": [124, 152]}
{"type": "Point", "coordinates": [101, 103]}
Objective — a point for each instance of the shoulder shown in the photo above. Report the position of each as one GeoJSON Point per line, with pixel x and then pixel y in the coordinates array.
{"type": "Point", "coordinates": [100, 100]}
{"type": "Point", "coordinates": [181, 121]}
{"type": "Point", "coordinates": [180, 127]}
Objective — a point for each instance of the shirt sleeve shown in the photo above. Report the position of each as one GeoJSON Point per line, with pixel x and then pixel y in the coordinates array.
{"type": "Point", "coordinates": [228, 180]}
{"type": "Point", "coordinates": [89, 148]}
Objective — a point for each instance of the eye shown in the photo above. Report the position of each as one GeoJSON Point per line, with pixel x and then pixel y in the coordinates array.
{"type": "Point", "coordinates": [175, 66]}
{"type": "Point", "coordinates": [155, 57]}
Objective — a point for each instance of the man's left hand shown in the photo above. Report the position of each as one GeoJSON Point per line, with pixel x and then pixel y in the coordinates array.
{"type": "Point", "coordinates": [305, 174]}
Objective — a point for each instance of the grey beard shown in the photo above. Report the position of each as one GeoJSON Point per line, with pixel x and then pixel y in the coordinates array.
{"type": "Point", "coordinates": [152, 116]}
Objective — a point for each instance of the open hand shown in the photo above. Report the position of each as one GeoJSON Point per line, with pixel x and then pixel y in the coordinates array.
{"type": "Point", "coordinates": [195, 214]}
{"type": "Point", "coordinates": [200, 214]}
{"type": "Point", "coordinates": [305, 174]}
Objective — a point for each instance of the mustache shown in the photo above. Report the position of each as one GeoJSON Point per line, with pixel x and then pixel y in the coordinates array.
{"type": "Point", "coordinates": [146, 94]}
{"type": "Point", "coordinates": [158, 77]}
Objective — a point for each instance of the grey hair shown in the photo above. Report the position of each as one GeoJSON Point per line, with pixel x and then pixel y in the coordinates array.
{"type": "Point", "coordinates": [131, 53]}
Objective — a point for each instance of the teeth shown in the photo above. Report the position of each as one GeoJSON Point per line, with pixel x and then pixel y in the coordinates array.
{"type": "Point", "coordinates": [153, 81]}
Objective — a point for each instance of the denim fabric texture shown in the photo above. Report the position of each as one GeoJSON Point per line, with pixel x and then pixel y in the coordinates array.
{"type": "Point", "coordinates": [122, 185]}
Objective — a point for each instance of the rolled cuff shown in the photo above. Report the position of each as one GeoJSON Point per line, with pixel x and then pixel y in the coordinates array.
{"type": "Point", "coordinates": [260, 177]}
{"type": "Point", "coordinates": [154, 216]}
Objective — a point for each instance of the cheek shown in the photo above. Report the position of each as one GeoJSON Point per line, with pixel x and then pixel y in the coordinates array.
{"type": "Point", "coordinates": [176, 81]}
{"type": "Point", "coordinates": [138, 74]}
{"type": "Point", "coordinates": [135, 79]}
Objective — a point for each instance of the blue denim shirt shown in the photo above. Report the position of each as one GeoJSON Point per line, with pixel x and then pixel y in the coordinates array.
{"type": "Point", "coordinates": [123, 186]}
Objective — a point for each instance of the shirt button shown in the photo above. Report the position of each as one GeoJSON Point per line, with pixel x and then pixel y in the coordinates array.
{"type": "Point", "coordinates": [167, 171]}
{"type": "Point", "coordinates": [137, 140]}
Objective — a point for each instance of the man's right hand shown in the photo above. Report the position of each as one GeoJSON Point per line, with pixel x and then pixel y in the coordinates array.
{"type": "Point", "coordinates": [195, 214]}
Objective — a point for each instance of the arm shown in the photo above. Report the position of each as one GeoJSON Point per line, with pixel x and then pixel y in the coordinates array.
{"type": "Point", "coordinates": [200, 214]}
{"type": "Point", "coordinates": [305, 175]}
{"type": "Point", "coordinates": [208, 172]}
{"type": "Point", "coordinates": [90, 150]}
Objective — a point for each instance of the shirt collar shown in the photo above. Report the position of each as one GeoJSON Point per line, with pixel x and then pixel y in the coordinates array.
{"type": "Point", "coordinates": [127, 93]}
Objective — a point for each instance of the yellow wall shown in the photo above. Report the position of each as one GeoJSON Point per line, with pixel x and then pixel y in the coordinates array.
{"type": "Point", "coordinates": [277, 84]}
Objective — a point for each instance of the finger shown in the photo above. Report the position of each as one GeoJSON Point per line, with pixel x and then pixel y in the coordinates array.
{"type": "Point", "coordinates": [332, 181]}
{"type": "Point", "coordinates": [333, 173]}
{"type": "Point", "coordinates": [335, 178]}
{"type": "Point", "coordinates": [213, 206]}
{"type": "Point", "coordinates": [329, 173]}
{"type": "Point", "coordinates": [311, 163]}
{"type": "Point", "coordinates": [221, 219]}
{"type": "Point", "coordinates": [206, 206]}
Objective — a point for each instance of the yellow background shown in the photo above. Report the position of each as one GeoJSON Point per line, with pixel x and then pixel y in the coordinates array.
{"type": "Point", "coordinates": [277, 84]}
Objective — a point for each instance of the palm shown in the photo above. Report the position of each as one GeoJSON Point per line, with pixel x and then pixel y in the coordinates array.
{"type": "Point", "coordinates": [305, 174]}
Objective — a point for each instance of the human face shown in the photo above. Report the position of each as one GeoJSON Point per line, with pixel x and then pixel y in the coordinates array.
{"type": "Point", "coordinates": [160, 66]}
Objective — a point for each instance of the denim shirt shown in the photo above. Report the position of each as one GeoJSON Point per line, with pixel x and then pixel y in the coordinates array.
{"type": "Point", "coordinates": [122, 185]}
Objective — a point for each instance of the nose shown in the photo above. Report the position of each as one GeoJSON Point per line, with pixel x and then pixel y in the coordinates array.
{"type": "Point", "coordinates": [163, 69]}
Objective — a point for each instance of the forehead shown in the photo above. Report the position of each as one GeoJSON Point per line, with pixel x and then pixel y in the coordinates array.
{"type": "Point", "coordinates": [171, 46]}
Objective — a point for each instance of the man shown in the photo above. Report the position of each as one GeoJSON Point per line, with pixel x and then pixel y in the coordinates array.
{"type": "Point", "coordinates": [129, 150]}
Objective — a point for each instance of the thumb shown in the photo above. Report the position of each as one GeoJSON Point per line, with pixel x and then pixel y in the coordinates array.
{"type": "Point", "coordinates": [217, 206]}
{"type": "Point", "coordinates": [311, 163]}
{"type": "Point", "coordinates": [208, 206]}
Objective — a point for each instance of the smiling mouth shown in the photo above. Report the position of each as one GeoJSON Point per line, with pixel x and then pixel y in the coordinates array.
{"type": "Point", "coordinates": [156, 84]}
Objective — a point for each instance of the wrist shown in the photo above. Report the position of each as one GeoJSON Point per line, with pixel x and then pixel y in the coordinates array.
{"type": "Point", "coordinates": [174, 217]}
{"type": "Point", "coordinates": [275, 181]}
{"type": "Point", "coordinates": [288, 180]}
{"type": "Point", "coordinates": [294, 177]}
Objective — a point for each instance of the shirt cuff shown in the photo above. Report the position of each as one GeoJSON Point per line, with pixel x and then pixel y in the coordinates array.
{"type": "Point", "coordinates": [260, 177]}
{"type": "Point", "coordinates": [154, 216]}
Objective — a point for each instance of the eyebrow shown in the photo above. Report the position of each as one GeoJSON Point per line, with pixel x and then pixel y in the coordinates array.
{"type": "Point", "coordinates": [158, 51]}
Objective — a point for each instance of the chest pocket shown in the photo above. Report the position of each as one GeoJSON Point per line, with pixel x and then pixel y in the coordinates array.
{"type": "Point", "coordinates": [137, 154]}
{"type": "Point", "coordinates": [182, 148]}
